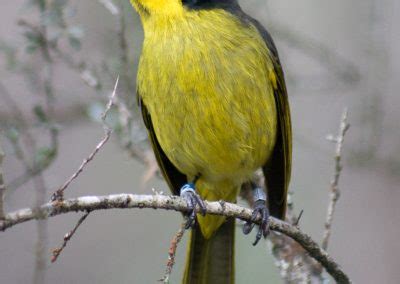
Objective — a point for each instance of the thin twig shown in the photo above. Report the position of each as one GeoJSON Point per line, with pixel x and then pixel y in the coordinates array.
{"type": "Point", "coordinates": [67, 237]}
{"type": "Point", "coordinates": [2, 185]}
{"type": "Point", "coordinates": [90, 203]}
{"type": "Point", "coordinates": [59, 194]}
{"type": "Point", "coordinates": [172, 252]}
{"type": "Point", "coordinates": [335, 193]}
{"type": "Point", "coordinates": [109, 104]}
{"type": "Point", "coordinates": [296, 223]}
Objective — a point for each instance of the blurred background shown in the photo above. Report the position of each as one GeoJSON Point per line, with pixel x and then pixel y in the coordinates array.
{"type": "Point", "coordinates": [59, 60]}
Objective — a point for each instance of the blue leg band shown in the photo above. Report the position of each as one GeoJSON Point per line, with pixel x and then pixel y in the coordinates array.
{"type": "Point", "coordinates": [188, 187]}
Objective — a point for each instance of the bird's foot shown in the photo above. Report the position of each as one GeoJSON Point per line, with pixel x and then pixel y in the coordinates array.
{"type": "Point", "coordinates": [192, 199]}
{"type": "Point", "coordinates": [260, 207]}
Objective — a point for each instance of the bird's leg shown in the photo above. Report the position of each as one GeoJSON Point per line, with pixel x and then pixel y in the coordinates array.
{"type": "Point", "coordinates": [188, 192]}
{"type": "Point", "coordinates": [260, 207]}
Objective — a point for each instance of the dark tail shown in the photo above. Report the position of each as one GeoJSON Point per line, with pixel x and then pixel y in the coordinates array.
{"type": "Point", "coordinates": [211, 261]}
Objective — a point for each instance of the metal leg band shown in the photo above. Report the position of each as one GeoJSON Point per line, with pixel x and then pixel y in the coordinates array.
{"type": "Point", "coordinates": [259, 194]}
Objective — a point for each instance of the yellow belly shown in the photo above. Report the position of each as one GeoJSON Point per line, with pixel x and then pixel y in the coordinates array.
{"type": "Point", "coordinates": [210, 98]}
{"type": "Point", "coordinates": [219, 137]}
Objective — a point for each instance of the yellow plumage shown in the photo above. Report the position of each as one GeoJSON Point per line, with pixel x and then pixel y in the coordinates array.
{"type": "Point", "coordinates": [214, 100]}
{"type": "Point", "coordinates": [212, 109]}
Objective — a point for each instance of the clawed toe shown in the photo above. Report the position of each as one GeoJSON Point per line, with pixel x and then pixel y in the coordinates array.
{"type": "Point", "coordinates": [261, 209]}
{"type": "Point", "coordinates": [192, 199]}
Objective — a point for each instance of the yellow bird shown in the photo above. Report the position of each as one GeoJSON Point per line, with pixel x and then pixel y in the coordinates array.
{"type": "Point", "coordinates": [213, 97]}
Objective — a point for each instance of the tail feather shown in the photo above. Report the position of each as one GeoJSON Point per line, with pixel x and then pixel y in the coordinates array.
{"type": "Point", "coordinates": [211, 261]}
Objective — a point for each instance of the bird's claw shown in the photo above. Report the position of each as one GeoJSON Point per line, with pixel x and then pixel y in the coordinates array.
{"type": "Point", "coordinates": [192, 200]}
{"type": "Point", "coordinates": [260, 207]}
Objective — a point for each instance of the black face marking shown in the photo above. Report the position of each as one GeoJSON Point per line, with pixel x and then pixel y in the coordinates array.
{"type": "Point", "coordinates": [210, 4]}
{"type": "Point", "coordinates": [230, 6]}
{"type": "Point", "coordinates": [189, 2]}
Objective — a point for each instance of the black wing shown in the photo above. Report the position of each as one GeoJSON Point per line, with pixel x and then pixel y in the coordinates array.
{"type": "Point", "coordinates": [277, 170]}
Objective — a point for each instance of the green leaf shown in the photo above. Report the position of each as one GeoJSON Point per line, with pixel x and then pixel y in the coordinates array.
{"type": "Point", "coordinates": [40, 114]}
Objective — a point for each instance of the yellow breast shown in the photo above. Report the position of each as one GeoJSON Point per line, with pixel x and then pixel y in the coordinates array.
{"type": "Point", "coordinates": [204, 78]}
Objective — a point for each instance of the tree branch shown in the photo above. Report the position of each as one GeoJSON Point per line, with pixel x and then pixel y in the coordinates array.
{"type": "Point", "coordinates": [172, 252]}
{"type": "Point", "coordinates": [59, 194]}
{"type": "Point", "coordinates": [67, 238]}
{"type": "Point", "coordinates": [2, 185]}
{"type": "Point", "coordinates": [335, 192]}
{"type": "Point", "coordinates": [91, 203]}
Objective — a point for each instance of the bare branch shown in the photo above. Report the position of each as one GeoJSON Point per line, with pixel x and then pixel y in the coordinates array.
{"type": "Point", "coordinates": [335, 193]}
{"type": "Point", "coordinates": [67, 237]}
{"type": "Point", "coordinates": [59, 194]}
{"type": "Point", "coordinates": [2, 185]}
{"type": "Point", "coordinates": [42, 232]}
{"type": "Point", "coordinates": [110, 104]}
{"type": "Point", "coordinates": [91, 203]}
{"type": "Point", "coordinates": [172, 252]}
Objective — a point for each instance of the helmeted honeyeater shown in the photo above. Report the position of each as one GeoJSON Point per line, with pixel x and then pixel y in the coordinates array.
{"type": "Point", "coordinates": [213, 98]}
